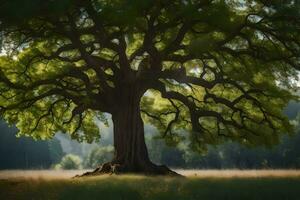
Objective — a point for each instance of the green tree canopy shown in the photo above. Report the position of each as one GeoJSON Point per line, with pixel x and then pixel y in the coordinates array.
{"type": "Point", "coordinates": [220, 69]}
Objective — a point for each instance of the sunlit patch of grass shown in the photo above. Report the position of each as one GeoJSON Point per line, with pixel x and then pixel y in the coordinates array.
{"type": "Point", "coordinates": [66, 174]}
{"type": "Point", "coordinates": [231, 173]}
{"type": "Point", "coordinates": [152, 188]}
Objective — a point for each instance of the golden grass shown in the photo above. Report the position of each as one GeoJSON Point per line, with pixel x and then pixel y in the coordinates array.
{"type": "Point", "coordinates": [67, 174]}
{"type": "Point", "coordinates": [39, 174]}
{"type": "Point", "coordinates": [239, 173]}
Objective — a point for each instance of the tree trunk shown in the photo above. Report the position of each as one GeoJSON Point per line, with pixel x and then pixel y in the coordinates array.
{"type": "Point", "coordinates": [129, 142]}
{"type": "Point", "coordinates": [131, 154]}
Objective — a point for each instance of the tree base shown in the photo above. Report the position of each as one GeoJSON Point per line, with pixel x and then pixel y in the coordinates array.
{"type": "Point", "coordinates": [149, 170]}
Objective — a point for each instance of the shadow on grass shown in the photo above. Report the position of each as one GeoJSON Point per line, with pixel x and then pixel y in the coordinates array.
{"type": "Point", "coordinates": [152, 188]}
{"type": "Point", "coordinates": [99, 191]}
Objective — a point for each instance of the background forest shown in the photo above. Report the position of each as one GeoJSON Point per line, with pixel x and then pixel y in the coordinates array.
{"type": "Point", "coordinates": [63, 153]}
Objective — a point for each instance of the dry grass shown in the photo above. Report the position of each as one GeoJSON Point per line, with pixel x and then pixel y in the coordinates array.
{"type": "Point", "coordinates": [39, 174]}
{"type": "Point", "coordinates": [67, 174]}
{"type": "Point", "coordinates": [239, 173]}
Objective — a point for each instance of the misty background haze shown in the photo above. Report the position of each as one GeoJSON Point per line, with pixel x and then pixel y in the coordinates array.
{"type": "Point", "coordinates": [63, 153]}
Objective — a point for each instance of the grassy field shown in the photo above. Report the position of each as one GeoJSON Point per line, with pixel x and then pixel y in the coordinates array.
{"type": "Point", "coordinates": [200, 185]}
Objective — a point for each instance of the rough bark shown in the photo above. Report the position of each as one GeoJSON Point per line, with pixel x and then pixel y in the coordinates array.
{"type": "Point", "coordinates": [131, 154]}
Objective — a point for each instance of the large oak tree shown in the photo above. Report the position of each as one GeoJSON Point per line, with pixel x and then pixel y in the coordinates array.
{"type": "Point", "coordinates": [201, 71]}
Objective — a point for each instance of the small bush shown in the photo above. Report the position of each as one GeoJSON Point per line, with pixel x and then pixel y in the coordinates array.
{"type": "Point", "coordinates": [69, 161]}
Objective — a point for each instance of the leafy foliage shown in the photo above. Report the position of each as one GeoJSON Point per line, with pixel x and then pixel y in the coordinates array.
{"type": "Point", "coordinates": [218, 69]}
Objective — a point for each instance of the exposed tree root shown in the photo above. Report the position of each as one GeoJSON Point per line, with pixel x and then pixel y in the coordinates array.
{"type": "Point", "coordinates": [149, 170]}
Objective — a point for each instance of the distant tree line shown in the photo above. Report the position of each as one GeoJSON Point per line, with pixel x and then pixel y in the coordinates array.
{"type": "Point", "coordinates": [25, 153]}
{"type": "Point", "coordinates": [230, 155]}
{"type": "Point", "coordinates": [233, 155]}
